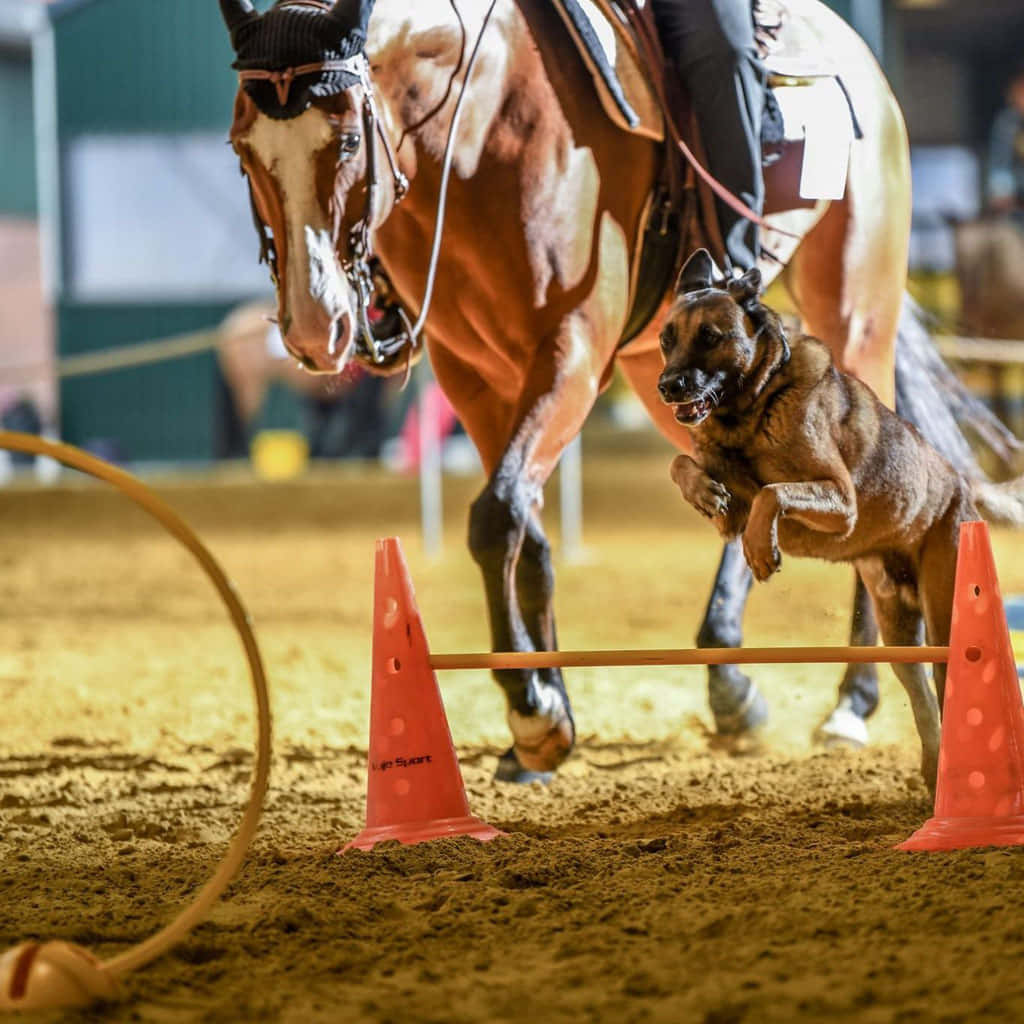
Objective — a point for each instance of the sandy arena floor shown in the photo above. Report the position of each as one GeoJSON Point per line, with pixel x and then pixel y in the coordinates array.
{"type": "Point", "coordinates": [657, 879]}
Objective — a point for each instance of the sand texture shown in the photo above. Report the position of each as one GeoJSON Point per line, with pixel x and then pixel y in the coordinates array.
{"type": "Point", "coordinates": [658, 878]}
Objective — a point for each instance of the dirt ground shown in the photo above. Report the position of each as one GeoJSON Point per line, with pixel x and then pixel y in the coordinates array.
{"type": "Point", "coordinates": [656, 879]}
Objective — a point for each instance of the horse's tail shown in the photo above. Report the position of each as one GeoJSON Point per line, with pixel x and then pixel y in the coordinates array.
{"type": "Point", "coordinates": [1000, 503]}
{"type": "Point", "coordinates": [954, 421]}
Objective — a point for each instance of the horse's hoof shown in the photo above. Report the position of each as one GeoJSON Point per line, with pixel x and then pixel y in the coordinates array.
{"type": "Point", "coordinates": [541, 742]}
{"type": "Point", "coordinates": [842, 728]}
{"type": "Point", "coordinates": [751, 714]}
{"type": "Point", "coordinates": [510, 770]}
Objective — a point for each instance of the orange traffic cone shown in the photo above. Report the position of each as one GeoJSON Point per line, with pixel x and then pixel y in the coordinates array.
{"type": "Point", "coordinates": [979, 799]}
{"type": "Point", "coordinates": [414, 789]}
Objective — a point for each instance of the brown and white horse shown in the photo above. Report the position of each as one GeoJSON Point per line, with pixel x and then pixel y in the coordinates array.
{"type": "Point", "coordinates": [547, 199]}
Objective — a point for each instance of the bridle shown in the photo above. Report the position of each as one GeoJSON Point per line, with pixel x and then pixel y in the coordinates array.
{"type": "Point", "coordinates": [359, 266]}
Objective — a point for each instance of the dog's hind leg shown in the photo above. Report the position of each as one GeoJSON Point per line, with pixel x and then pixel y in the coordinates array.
{"type": "Point", "coordinates": [736, 702]}
{"type": "Point", "coordinates": [858, 690]}
{"type": "Point", "coordinates": [900, 621]}
{"type": "Point", "coordinates": [937, 584]}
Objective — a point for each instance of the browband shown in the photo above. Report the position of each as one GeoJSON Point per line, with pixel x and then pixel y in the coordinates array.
{"type": "Point", "coordinates": [282, 80]}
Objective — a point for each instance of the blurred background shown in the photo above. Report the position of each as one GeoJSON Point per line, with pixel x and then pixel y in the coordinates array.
{"type": "Point", "coordinates": [123, 223]}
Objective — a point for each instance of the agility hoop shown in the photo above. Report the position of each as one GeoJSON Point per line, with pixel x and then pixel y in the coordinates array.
{"type": "Point", "coordinates": [142, 496]}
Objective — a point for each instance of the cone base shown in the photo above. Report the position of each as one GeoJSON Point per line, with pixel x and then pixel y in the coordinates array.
{"type": "Point", "coordinates": [966, 833]}
{"type": "Point", "coordinates": [423, 832]}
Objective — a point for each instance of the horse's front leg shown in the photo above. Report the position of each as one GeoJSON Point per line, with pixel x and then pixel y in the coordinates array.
{"type": "Point", "coordinates": [509, 545]}
{"type": "Point", "coordinates": [736, 703]}
{"type": "Point", "coordinates": [520, 441]}
{"type": "Point", "coordinates": [858, 691]}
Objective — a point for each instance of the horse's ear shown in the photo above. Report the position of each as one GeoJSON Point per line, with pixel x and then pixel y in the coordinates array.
{"type": "Point", "coordinates": [696, 273]}
{"type": "Point", "coordinates": [237, 13]}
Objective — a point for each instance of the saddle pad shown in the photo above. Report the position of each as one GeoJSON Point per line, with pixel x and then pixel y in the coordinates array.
{"type": "Point", "coordinates": [819, 114]}
{"type": "Point", "coordinates": [598, 38]}
{"type": "Point", "coordinates": [621, 83]}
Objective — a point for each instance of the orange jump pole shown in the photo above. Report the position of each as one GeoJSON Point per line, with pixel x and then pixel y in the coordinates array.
{"type": "Point", "coordinates": [688, 656]}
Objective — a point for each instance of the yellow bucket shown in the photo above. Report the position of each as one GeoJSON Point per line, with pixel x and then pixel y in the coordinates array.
{"type": "Point", "coordinates": [279, 454]}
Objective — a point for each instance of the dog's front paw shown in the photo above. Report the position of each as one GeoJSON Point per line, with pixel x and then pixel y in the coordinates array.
{"type": "Point", "coordinates": [710, 498]}
{"type": "Point", "coordinates": [762, 555]}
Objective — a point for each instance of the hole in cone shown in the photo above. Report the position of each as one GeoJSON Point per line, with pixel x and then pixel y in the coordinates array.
{"type": "Point", "coordinates": [397, 726]}
{"type": "Point", "coordinates": [973, 653]}
{"type": "Point", "coordinates": [390, 615]}
{"type": "Point", "coordinates": [995, 741]}
{"type": "Point", "coordinates": [974, 716]}
{"type": "Point", "coordinates": [976, 780]}
{"type": "Point", "coordinates": [394, 666]}
{"type": "Point", "coordinates": [402, 787]}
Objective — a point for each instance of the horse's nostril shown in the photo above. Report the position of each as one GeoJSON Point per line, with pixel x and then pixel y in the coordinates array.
{"type": "Point", "coordinates": [307, 362]}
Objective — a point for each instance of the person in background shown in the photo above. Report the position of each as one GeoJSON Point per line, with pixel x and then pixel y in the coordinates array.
{"type": "Point", "coordinates": [1006, 152]}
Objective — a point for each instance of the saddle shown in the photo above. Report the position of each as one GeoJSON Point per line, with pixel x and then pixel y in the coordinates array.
{"type": "Point", "coordinates": [809, 123]}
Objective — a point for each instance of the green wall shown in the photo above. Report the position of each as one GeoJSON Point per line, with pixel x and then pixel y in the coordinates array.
{"type": "Point", "coordinates": [17, 136]}
{"type": "Point", "coordinates": [164, 411]}
{"type": "Point", "coordinates": [143, 66]}
{"type": "Point", "coordinates": [840, 7]}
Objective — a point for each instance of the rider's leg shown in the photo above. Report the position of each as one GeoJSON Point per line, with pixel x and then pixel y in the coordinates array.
{"type": "Point", "coordinates": [712, 41]}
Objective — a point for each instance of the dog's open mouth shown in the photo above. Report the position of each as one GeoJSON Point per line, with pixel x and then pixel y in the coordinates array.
{"type": "Point", "coordinates": [692, 413]}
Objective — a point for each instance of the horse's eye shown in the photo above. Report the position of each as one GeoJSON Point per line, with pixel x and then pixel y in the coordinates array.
{"type": "Point", "coordinates": [668, 339]}
{"type": "Point", "coordinates": [348, 144]}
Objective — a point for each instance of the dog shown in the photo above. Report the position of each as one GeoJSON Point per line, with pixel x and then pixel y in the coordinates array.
{"type": "Point", "coordinates": [797, 457]}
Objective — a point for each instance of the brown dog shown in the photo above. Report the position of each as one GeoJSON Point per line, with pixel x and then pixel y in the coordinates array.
{"type": "Point", "coordinates": [796, 456]}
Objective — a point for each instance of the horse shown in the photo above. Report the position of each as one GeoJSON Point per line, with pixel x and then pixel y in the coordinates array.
{"type": "Point", "coordinates": [548, 199]}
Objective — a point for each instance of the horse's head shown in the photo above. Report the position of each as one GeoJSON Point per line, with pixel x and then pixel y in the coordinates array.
{"type": "Point", "coordinates": [307, 133]}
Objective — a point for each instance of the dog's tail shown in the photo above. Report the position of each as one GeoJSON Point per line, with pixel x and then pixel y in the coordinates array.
{"type": "Point", "coordinates": [954, 421]}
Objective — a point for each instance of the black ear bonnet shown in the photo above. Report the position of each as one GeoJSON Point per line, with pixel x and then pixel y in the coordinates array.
{"type": "Point", "coordinates": [289, 36]}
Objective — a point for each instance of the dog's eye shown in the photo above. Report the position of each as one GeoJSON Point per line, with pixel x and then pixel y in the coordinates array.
{"type": "Point", "coordinates": [709, 336]}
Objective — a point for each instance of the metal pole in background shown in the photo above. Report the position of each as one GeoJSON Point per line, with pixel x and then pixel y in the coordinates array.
{"type": "Point", "coordinates": [570, 470]}
{"type": "Point", "coordinates": [431, 510]}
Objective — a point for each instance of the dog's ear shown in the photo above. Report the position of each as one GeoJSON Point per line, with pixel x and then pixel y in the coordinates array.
{"type": "Point", "coordinates": [696, 273]}
{"type": "Point", "coordinates": [746, 288]}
